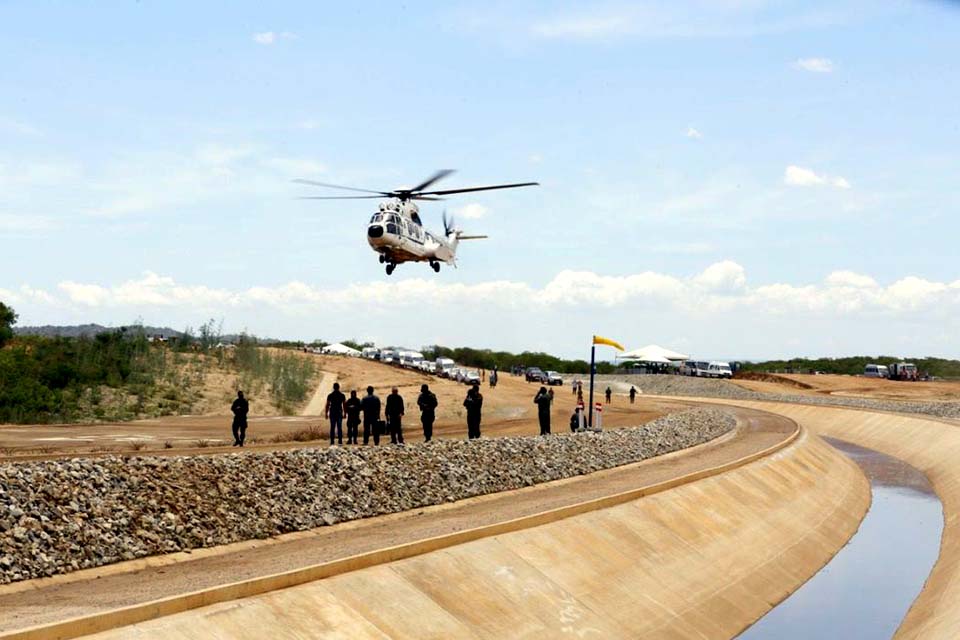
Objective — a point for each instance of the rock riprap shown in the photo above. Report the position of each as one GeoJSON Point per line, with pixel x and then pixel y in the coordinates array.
{"type": "Point", "coordinates": [62, 515]}
{"type": "Point", "coordinates": [670, 385]}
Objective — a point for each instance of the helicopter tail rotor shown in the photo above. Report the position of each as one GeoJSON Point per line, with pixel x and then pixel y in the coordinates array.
{"type": "Point", "coordinates": [448, 227]}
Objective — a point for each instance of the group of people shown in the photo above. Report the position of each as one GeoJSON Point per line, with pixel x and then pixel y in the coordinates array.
{"type": "Point", "coordinates": [367, 411]}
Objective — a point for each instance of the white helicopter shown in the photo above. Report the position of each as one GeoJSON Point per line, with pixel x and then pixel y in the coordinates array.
{"type": "Point", "coordinates": [396, 232]}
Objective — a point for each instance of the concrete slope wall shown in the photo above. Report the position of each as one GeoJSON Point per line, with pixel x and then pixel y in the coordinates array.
{"type": "Point", "coordinates": [702, 560]}
{"type": "Point", "coordinates": [932, 446]}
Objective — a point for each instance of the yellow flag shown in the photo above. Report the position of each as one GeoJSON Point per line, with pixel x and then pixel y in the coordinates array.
{"type": "Point", "coordinates": [608, 341]}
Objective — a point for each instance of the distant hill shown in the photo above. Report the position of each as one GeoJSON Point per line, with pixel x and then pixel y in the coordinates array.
{"type": "Point", "coordinates": [77, 330]}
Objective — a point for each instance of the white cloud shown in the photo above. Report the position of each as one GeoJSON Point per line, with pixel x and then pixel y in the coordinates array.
{"type": "Point", "coordinates": [270, 37]}
{"type": "Point", "coordinates": [802, 177]}
{"type": "Point", "coordinates": [850, 279]}
{"type": "Point", "coordinates": [722, 276]}
{"type": "Point", "coordinates": [535, 158]}
{"type": "Point", "coordinates": [693, 133]}
{"type": "Point", "coordinates": [722, 285]}
{"type": "Point", "coordinates": [472, 211]}
{"type": "Point", "coordinates": [90, 295]}
{"type": "Point", "coordinates": [583, 27]}
{"type": "Point", "coordinates": [814, 65]}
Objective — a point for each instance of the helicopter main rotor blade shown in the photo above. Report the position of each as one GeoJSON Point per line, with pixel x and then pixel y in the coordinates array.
{"type": "Point", "coordinates": [337, 186]}
{"type": "Point", "coordinates": [431, 198]}
{"type": "Point", "coordinates": [443, 173]}
{"type": "Point", "coordinates": [340, 198]}
{"type": "Point", "coordinates": [490, 188]}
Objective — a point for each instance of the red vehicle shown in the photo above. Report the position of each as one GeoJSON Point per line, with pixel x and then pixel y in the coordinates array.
{"type": "Point", "coordinates": [904, 371]}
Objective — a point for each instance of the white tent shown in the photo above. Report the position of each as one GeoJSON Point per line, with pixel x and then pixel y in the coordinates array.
{"type": "Point", "coordinates": [340, 350]}
{"type": "Point", "coordinates": [653, 353]}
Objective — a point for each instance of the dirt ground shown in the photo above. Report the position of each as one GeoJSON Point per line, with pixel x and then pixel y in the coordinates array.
{"type": "Point", "coordinates": [807, 384]}
{"type": "Point", "coordinates": [508, 410]}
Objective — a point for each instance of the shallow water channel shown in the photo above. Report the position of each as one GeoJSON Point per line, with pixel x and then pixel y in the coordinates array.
{"type": "Point", "coordinates": [867, 588]}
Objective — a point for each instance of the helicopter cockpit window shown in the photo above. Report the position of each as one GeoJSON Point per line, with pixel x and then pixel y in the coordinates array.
{"type": "Point", "coordinates": [415, 217]}
{"type": "Point", "coordinates": [376, 218]}
{"type": "Point", "coordinates": [392, 228]}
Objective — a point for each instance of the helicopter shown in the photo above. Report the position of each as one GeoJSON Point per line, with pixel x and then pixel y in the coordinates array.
{"type": "Point", "coordinates": [396, 232]}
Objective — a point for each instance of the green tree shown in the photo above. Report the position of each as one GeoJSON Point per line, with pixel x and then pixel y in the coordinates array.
{"type": "Point", "coordinates": [8, 318]}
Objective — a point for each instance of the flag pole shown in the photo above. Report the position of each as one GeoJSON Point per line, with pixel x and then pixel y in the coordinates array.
{"type": "Point", "coordinates": [593, 354]}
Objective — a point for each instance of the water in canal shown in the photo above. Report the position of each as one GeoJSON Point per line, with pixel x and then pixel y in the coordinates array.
{"type": "Point", "coordinates": [867, 588]}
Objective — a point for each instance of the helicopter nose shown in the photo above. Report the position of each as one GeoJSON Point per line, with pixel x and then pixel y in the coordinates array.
{"type": "Point", "coordinates": [375, 231]}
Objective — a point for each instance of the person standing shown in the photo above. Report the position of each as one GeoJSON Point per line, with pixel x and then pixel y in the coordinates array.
{"type": "Point", "coordinates": [240, 409]}
{"type": "Point", "coordinates": [334, 410]}
{"type": "Point", "coordinates": [352, 407]}
{"type": "Point", "coordinates": [474, 405]}
{"type": "Point", "coordinates": [543, 402]}
{"type": "Point", "coordinates": [633, 393]}
{"type": "Point", "coordinates": [608, 393]}
{"type": "Point", "coordinates": [427, 401]}
{"type": "Point", "coordinates": [370, 405]}
{"type": "Point", "coordinates": [550, 394]}
{"type": "Point", "coordinates": [573, 385]}
{"type": "Point", "coordinates": [394, 411]}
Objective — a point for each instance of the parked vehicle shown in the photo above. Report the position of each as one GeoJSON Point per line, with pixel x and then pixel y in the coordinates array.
{"type": "Point", "coordinates": [701, 369]}
{"type": "Point", "coordinates": [534, 374]}
{"type": "Point", "coordinates": [719, 370]}
{"type": "Point", "coordinates": [410, 359]}
{"type": "Point", "coordinates": [429, 367]}
{"type": "Point", "coordinates": [554, 378]}
{"type": "Point", "coordinates": [470, 376]}
{"type": "Point", "coordinates": [370, 353]}
{"type": "Point", "coordinates": [904, 371]}
{"type": "Point", "coordinates": [454, 373]}
{"type": "Point", "coordinates": [876, 371]}
{"type": "Point", "coordinates": [443, 366]}
{"type": "Point", "coordinates": [689, 368]}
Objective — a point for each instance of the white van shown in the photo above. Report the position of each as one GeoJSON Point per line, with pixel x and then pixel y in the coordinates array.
{"type": "Point", "coordinates": [444, 365]}
{"type": "Point", "coordinates": [719, 370]}
{"type": "Point", "coordinates": [876, 371]}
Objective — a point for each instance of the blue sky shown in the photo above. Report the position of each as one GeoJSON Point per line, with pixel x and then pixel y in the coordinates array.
{"type": "Point", "coordinates": [730, 178]}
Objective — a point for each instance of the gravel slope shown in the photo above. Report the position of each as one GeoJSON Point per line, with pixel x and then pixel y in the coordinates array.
{"type": "Point", "coordinates": [706, 387]}
{"type": "Point", "coordinates": [60, 516]}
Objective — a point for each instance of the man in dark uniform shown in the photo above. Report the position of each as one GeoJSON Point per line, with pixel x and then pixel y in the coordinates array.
{"type": "Point", "coordinates": [370, 405]}
{"type": "Point", "coordinates": [352, 407]}
{"type": "Point", "coordinates": [427, 401]}
{"type": "Point", "coordinates": [474, 405]}
{"type": "Point", "coordinates": [240, 408]}
{"type": "Point", "coordinates": [334, 410]}
{"type": "Point", "coordinates": [543, 402]}
{"type": "Point", "coordinates": [609, 394]}
{"type": "Point", "coordinates": [633, 393]}
{"type": "Point", "coordinates": [394, 411]}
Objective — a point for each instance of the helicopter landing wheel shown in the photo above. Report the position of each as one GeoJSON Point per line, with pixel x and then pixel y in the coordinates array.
{"type": "Point", "coordinates": [436, 266]}
{"type": "Point", "coordinates": [383, 258]}
{"type": "Point", "coordinates": [390, 268]}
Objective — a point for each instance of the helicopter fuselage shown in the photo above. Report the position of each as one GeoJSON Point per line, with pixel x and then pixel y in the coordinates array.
{"type": "Point", "coordinates": [397, 234]}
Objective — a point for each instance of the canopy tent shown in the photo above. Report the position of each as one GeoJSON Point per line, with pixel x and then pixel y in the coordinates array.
{"type": "Point", "coordinates": [653, 353]}
{"type": "Point", "coordinates": [340, 350]}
